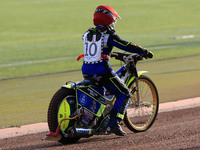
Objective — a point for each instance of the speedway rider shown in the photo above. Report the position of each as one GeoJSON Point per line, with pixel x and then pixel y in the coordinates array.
{"type": "Point", "coordinates": [98, 44]}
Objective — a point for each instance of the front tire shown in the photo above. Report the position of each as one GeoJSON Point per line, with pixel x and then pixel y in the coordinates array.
{"type": "Point", "coordinates": [53, 110]}
{"type": "Point", "coordinates": [139, 118]}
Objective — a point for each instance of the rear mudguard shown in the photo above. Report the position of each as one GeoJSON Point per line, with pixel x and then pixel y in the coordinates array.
{"type": "Point", "coordinates": [129, 81]}
{"type": "Point", "coordinates": [68, 86]}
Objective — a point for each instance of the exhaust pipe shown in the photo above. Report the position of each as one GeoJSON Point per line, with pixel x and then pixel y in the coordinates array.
{"type": "Point", "coordinates": [80, 132]}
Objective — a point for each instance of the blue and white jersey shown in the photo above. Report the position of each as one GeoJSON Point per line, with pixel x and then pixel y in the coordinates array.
{"type": "Point", "coordinates": [100, 41]}
{"type": "Point", "coordinates": [93, 47]}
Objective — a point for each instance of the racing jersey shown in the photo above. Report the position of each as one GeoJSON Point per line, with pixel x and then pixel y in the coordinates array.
{"type": "Point", "coordinates": [102, 43]}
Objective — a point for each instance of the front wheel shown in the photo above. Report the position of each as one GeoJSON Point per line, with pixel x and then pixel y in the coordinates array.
{"type": "Point", "coordinates": [140, 116]}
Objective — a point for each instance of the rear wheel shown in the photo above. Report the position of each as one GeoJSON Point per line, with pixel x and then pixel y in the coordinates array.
{"type": "Point", "coordinates": [140, 117]}
{"type": "Point", "coordinates": [61, 106]}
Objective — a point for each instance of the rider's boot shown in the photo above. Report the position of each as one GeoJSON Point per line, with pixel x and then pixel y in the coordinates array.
{"type": "Point", "coordinates": [114, 126]}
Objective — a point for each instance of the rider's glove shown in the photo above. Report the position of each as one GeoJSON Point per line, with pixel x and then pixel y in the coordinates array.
{"type": "Point", "coordinates": [148, 54]}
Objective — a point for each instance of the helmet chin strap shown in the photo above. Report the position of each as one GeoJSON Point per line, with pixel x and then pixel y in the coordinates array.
{"type": "Point", "coordinates": [112, 25]}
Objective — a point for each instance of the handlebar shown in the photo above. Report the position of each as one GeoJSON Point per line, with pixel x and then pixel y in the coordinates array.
{"type": "Point", "coordinates": [125, 57]}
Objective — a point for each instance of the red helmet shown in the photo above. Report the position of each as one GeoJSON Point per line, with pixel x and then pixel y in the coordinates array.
{"type": "Point", "coordinates": [105, 15]}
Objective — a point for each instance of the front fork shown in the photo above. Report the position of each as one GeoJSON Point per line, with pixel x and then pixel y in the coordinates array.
{"type": "Point", "coordinates": [134, 72]}
{"type": "Point", "coordinates": [137, 93]}
{"type": "Point", "coordinates": [134, 75]}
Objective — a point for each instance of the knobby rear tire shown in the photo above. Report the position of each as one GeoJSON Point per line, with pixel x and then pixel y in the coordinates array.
{"type": "Point", "coordinates": [53, 114]}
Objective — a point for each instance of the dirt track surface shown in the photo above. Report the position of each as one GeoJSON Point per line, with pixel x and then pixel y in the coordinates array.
{"type": "Point", "coordinates": [178, 129]}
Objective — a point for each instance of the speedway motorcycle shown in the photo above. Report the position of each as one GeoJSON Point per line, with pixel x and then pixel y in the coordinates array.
{"type": "Point", "coordinates": [81, 109]}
